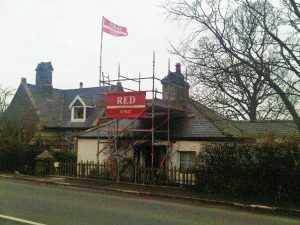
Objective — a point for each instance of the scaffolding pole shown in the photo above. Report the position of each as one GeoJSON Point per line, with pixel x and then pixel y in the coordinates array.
{"type": "Point", "coordinates": [155, 107]}
{"type": "Point", "coordinates": [152, 134]}
{"type": "Point", "coordinates": [100, 66]}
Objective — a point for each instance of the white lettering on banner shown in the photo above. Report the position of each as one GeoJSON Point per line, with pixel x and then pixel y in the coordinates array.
{"type": "Point", "coordinates": [119, 100]}
{"type": "Point", "coordinates": [125, 111]}
{"type": "Point", "coordinates": [126, 100]}
{"type": "Point", "coordinates": [126, 105]}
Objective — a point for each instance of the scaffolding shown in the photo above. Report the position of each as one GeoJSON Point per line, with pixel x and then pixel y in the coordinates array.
{"type": "Point", "coordinates": [155, 109]}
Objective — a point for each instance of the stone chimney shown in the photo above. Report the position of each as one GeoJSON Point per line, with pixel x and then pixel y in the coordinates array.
{"type": "Point", "coordinates": [23, 80]}
{"type": "Point", "coordinates": [44, 74]}
{"type": "Point", "coordinates": [81, 85]}
{"type": "Point", "coordinates": [175, 87]}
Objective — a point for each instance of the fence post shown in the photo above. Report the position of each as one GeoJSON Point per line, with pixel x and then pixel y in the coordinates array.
{"type": "Point", "coordinates": [73, 169]}
{"type": "Point", "coordinates": [187, 177]}
{"type": "Point", "coordinates": [175, 173]}
{"type": "Point", "coordinates": [97, 170]}
{"type": "Point", "coordinates": [68, 168]}
{"type": "Point", "coordinates": [77, 168]}
{"type": "Point", "coordinates": [135, 171]}
{"type": "Point", "coordinates": [93, 169]}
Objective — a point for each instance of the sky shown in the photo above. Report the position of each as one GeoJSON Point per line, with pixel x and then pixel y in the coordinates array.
{"type": "Point", "coordinates": [67, 33]}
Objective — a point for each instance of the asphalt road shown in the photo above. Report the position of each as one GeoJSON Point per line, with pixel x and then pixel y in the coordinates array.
{"type": "Point", "coordinates": [56, 205]}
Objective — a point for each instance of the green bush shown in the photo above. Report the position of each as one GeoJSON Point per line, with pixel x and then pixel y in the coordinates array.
{"type": "Point", "coordinates": [65, 156]}
{"type": "Point", "coordinates": [269, 170]}
{"type": "Point", "coordinates": [17, 157]}
{"type": "Point", "coordinates": [15, 154]}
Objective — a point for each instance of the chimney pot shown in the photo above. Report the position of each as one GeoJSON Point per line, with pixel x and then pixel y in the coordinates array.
{"type": "Point", "coordinates": [178, 68]}
{"type": "Point", "coordinates": [80, 85]}
{"type": "Point", "coordinates": [23, 80]}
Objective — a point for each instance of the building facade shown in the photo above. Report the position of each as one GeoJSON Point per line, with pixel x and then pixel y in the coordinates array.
{"type": "Point", "coordinates": [192, 125]}
{"type": "Point", "coordinates": [53, 117]}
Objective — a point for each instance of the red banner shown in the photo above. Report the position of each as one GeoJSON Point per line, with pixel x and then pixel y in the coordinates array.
{"type": "Point", "coordinates": [126, 104]}
{"type": "Point", "coordinates": [113, 29]}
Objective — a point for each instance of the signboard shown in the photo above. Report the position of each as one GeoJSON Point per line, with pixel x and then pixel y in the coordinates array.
{"type": "Point", "coordinates": [126, 104]}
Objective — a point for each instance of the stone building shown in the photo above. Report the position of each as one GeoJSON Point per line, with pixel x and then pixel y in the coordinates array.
{"type": "Point", "coordinates": [67, 119]}
{"type": "Point", "coordinates": [53, 117]}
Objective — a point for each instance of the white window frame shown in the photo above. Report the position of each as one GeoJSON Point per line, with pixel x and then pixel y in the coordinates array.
{"type": "Point", "coordinates": [72, 107]}
{"type": "Point", "coordinates": [186, 152]}
{"type": "Point", "coordinates": [73, 119]}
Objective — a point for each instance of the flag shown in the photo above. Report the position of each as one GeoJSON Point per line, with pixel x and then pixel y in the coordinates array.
{"type": "Point", "coordinates": [113, 29]}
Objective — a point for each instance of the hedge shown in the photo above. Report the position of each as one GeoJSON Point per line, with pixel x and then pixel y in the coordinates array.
{"type": "Point", "coordinates": [269, 170]}
{"type": "Point", "coordinates": [17, 157]}
{"type": "Point", "coordinates": [21, 158]}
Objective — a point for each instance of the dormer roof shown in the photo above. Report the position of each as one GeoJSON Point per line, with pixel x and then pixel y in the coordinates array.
{"type": "Point", "coordinates": [86, 101]}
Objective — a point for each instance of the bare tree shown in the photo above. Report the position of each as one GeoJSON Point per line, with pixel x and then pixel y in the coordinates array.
{"type": "Point", "coordinates": [5, 95]}
{"type": "Point", "coordinates": [253, 49]}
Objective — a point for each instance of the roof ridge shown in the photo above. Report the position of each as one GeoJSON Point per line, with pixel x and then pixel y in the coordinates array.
{"type": "Point", "coordinates": [31, 99]}
{"type": "Point", "coordinates": [72, 89]}
{"type": "Point", "coordinates": [263, 121]}
{"type": "Point", "coordinates": [220, 123]}
{"type": "Point", "coordinates": [56, 89]}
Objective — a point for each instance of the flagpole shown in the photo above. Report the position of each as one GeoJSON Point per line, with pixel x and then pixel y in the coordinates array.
{"type": "Point", "coordinates": [100, 69]}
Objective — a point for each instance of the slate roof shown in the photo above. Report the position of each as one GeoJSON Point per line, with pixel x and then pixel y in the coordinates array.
{"type": "Point", "coordinates": [91, 97]}
{"type": "Point", "coordinates": [47, 103]}
{"type": "Point", "coordinates": [259, 128]}
{"type": "Point", "coordinates": [88, 100]}
{"type": "Point", "coordinates": [198, 122]}
{"type": "Point", "coordinates": [52, 105]}
{"type": "Point", "coordinates": [223, 124]}
{"type": "Point", "coordinates": [194, 125]}
{"type": "Point", "coordinates": [202, 122]}
{"type": "Point", "coordinates": [111, 126]}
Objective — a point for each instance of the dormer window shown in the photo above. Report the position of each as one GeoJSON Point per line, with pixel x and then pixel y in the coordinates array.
{"type": "Point", "coordinates": [79, 107]}
{"type": "Point", "coordinates": [78, 112]}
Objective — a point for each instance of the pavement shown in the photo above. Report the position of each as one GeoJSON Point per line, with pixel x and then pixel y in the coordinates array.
{"type": "Point", "coordinates": [151, 190]}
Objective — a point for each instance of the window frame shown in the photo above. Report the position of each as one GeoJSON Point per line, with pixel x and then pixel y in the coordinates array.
{"type": "Point", "coordinates": [73, 119]}
{"type": "Point", "coordinates": [187, 165]}
{"type": "Point", "coordinates": [73, 107]}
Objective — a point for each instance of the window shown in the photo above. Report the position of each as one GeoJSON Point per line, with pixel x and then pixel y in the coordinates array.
{"type": "Point", "coordinates": [187, 160]}
{"type": "Point", "coordinates": [80, 108]}
{"type": "Point", "coordinates": [78, 112]}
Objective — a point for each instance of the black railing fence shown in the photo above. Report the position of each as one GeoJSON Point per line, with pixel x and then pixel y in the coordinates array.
{"type": "Point", "coordinates": [171, 176]}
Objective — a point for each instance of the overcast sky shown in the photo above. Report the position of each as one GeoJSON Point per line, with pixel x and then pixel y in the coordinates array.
{"type": "Point", "coordinates": [67, 33]}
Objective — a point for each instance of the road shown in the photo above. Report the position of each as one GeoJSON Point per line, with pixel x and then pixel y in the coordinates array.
{"type": "Point", "coordinates": [47, 204]}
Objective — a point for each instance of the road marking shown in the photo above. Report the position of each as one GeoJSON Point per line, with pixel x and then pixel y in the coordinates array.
{"type": "Point", "coordinates": [20, 220]}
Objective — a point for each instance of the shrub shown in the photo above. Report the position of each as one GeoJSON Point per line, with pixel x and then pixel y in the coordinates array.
{"type": "Point", "coordinates": [65, 156]}
{"type": "Point", "coordinates": [268, 170]}
{"type": "Point", "coordinates": [17, 157]}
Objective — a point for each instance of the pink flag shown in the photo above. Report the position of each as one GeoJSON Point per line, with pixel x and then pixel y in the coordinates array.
{"type": "Point", "coordinates": [113, 29]}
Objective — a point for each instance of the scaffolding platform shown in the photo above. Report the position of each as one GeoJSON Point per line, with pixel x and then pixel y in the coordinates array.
{"type": "Point", "coordinates": [154, 125]}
